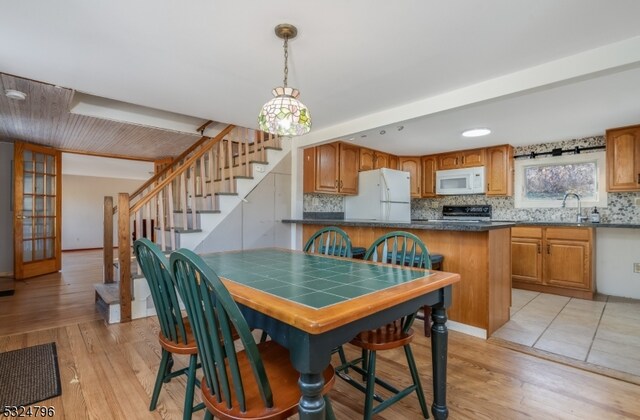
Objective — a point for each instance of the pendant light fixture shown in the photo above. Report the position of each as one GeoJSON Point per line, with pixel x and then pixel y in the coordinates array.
{"type": "Point", "coordinates": [285, 115]}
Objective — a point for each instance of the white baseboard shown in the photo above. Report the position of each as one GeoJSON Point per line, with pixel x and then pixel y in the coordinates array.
{"type": "Point", "coordinates": [6, 274]}
{"type": "Point", "coordinates": [467, 329]}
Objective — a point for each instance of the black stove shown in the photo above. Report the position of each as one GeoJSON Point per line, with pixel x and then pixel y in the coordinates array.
{"type": "Point", "coordinates": [471, 213]}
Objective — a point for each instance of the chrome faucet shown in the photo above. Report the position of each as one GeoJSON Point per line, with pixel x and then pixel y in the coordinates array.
{"type": "Point", "coordinates": [579, 217]}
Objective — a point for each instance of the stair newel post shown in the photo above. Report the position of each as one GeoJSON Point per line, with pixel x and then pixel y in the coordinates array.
{"type": "Point", "coordinates": [124, 256]}
{"type": "Point", "coordinates": [107, 240]}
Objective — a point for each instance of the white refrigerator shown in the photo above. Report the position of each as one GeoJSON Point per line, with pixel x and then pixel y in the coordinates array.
{"type": "Point", "coordinates": [383, 195]}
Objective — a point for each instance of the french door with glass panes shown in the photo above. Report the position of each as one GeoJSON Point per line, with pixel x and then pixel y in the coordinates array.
{"type": "Point", "coordinates": [37, 202]}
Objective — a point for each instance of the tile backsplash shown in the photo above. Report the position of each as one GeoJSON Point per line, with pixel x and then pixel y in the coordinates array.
{"type": "Point", "coordinates": [621, 207]}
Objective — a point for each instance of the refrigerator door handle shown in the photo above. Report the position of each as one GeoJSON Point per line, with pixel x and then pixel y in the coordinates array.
{"type": "Point", "coordinates": [386, 195]}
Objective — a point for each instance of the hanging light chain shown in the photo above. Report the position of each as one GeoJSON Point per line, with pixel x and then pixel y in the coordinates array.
{"type": "Point", "coordinates": [286, 60]}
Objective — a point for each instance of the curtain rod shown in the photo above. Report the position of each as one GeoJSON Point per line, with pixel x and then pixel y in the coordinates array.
{"type": "Point", "coordinates": [559, 151]}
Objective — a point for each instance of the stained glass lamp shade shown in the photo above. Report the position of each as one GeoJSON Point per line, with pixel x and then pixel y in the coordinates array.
{"type": "Point", "coordinates": [285, 115]}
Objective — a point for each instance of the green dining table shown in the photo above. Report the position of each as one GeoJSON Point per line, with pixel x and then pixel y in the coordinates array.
{"type": "Point", "coordinates": [312, 303]}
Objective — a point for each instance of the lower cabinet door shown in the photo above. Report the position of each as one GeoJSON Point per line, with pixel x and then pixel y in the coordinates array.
{"type": "Point", "coordinates": [567, 264]}
{"type": "Point", "coordinates": [526, 260]}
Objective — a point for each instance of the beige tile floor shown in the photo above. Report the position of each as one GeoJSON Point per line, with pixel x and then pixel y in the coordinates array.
{"type": "Point", "coordinates": [604, 332]}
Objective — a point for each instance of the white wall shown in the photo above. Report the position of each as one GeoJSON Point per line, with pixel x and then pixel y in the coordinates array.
{"type": "Point", "coordinates": [257, 222]}
{"type": "Point", "coordinates": [82, 208]}
{"type": "Point", "coordinates": [6, 209]}
{"type": "Point", "coordinates": [616, 251]}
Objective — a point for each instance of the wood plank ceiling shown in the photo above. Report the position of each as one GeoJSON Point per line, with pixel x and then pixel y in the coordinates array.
{"type": "Point", "coordinates": [44, 118]}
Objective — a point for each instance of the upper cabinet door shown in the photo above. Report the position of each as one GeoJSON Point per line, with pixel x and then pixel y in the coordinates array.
{"type": "Point", "coordinates": [412, 165]}
{"type": "Point", "coordinates": [327, 175]}
{"type": "Point", "coordinates": [623, 159]}
{"type": "Point", "coordinates": [471, 158]}
{"type": "Point", "coordinates": [366, 159]}
{"type": "Point", "coordinates": [381, 160]}
{"type": "Point", "coordinates": [448, 161]}
{"type": "Point", "coordinates": [499, 170]}
{"type": "Point", "coordinates": [349, 162]}
{"type": "Point", "coordinates": [429, 176]}
{"type": "Point", "coordinates": [393, 162]}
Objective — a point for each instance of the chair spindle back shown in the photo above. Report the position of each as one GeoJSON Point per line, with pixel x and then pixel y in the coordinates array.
{"type": "Point", "coordinates": [330, 241]}
{"type": "Point", "coordinates": [212, 312]}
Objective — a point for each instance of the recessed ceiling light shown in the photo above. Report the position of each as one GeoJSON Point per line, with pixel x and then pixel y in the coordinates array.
{"type": "Point", "coordinates": [383, 132]}
{"type": "Point", "coordinates": [476, 132]}
{"type": "Point", "coordinates": [400, 127]}
{"type": "Point", "coordinates": [15, 94]}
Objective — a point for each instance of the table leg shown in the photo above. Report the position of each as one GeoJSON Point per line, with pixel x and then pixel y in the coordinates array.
{"type": "Point", "coordinates": [311, 403]}
{"type": "Point", "coordinates": [439, 337]}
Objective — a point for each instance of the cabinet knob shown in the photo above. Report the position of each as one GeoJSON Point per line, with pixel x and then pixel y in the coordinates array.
{"type": "Point", "coordinates": [335, 184]}
{"type": "Point", "coordinates": [462, 160]}
{"type": "Point", "coordinates": [638, 178]}
{"type": "Point", "coordinates": [340, 183]}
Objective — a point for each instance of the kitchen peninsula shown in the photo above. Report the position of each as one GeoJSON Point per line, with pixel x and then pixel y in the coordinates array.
{"type": "Point", "coordinates": [479, 252]}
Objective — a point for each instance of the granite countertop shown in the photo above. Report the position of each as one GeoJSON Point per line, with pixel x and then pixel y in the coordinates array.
{"type": "Point", "coordinates": [456, 226]}
{"type": "Point", "coordinates": [426, 225]}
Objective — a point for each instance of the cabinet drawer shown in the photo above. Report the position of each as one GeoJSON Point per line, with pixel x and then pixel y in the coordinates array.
{"type": "Point", "coordinates": [571, 233]}
{"type": "Point", "coordinates": [526, 232]}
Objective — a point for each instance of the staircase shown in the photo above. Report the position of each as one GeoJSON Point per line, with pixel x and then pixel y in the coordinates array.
{"type": "Point", "coordinates": [178, 208]}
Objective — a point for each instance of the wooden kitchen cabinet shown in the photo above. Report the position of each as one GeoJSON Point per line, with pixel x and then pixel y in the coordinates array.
{"type": "Point", "coordinates": [331, 168]}
{"type": "Point", "coordinates": [348, 169]}
{"type": "Point", "coordinates": [462, 159]}
{"type": "Point", "coordinates": [623, 159]}
{"type": "Point", "coordinates": [499, 170]}
{"type": "Point", "coordinates": [393, 162]}
{"type": "Point", "coordinates": [413, 166]}
{"type": "Point", "coordinates": [372, 159]}
{"type": "Point", "coordinates": [556, 260]}
{"type": "Point", "coordinates": [429, 165]}
{"type": "Point", "coordinates": [367, 159]}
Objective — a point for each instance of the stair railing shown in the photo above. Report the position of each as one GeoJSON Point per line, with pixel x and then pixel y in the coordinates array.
{"type": "Point", "coordinates": [172, 200]}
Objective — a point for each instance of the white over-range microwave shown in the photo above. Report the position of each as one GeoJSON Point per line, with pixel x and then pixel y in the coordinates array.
{"type": "Point", "coordinates": [460, 181]}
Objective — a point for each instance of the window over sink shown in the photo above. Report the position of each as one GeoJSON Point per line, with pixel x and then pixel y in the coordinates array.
{"type": "Point", "coordinates": [543, 182]}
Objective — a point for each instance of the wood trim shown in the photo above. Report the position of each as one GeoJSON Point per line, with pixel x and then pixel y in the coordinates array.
{"type": "Point", "coordinates": [106, 155]}
{"type": "Point", "coordinates": [180, 171]}
{"type": "Point", "coordinates": [124, 256]}
{"type": "Point", "coordinates": [18, 189]}
{"type": "Point", "coordinates": [107, 240]}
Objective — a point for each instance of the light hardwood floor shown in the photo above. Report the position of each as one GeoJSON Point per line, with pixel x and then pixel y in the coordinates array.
{"type": "Point", "coordinates": [108, 371]}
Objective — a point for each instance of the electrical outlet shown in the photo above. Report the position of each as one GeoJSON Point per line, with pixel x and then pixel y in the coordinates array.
{"type": "Point", "coordinates": [636, 267]}
{"type": "Point", "coordinates": [638, 201]}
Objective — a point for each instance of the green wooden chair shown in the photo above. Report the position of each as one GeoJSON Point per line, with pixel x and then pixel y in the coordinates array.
{"type": "Point", "coordinates": [401, 248]}
{"type": "Point", "coordinates": [332, 241]}
{"type": "Point", "coordinates": [256, 382]}
{"type": "Point", "coordinates": [175, 335]}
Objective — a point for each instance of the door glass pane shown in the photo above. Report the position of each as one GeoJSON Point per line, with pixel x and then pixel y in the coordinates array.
{"type": "Point", "coordinates": [49, 249]}
{"type": "Point", "coordinates": [26, 251]}
{"type": "Point", "coordinates": [39, 162]}
{"type": "Point", "coordinates": [51, 206]}
{"type": "Point", "coordinates": [39, 206]}
{"type": "Point", "coordinates": [39, 184]}
{"type": "Point", "coordinates": [27, 203]}
{"type": "Point", "coordinates": [50, 185]}
{"type": "Point", "coordinates": [39, 227]}
{"type": "Point", "coordinates": [27, 227]}
{"type": "Point", "coordinates": [28, 183]}
{"type": "Point", "coordinates": [51, 169]}
{"type": "Point", "coordinates": [38, 253]}
{"type": "Point", "coordinates": [27, 158]}
{"type": "Point", "coordinates": [50, 226]}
